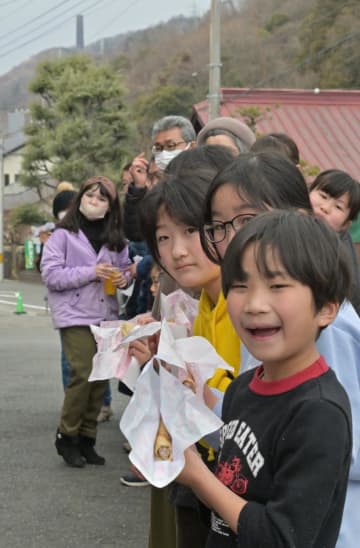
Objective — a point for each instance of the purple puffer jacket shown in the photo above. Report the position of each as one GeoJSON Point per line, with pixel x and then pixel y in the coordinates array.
{"type": "Point", "coordinates": [75, 296]}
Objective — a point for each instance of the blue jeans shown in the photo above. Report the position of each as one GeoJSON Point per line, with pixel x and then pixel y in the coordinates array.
{"type": "Point", "coordinates": [66, 372]}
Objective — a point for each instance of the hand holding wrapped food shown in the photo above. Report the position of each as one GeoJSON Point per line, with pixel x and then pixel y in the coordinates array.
{"type": "Point", "coordinates": [163, 443]}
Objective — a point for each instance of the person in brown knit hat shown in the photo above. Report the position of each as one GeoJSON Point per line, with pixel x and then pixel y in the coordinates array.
{"type": "Point", "coordinates": [85, 251]}
{"type": "Point", "coordinates": [65, 194]}
{"type": "Point", "coordinates": [228, 132]}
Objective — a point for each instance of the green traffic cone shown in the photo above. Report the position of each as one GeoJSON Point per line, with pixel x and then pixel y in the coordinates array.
{"type": "Point", "coordinates": [19, 304]}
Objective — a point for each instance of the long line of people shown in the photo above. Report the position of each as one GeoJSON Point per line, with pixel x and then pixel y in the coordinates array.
{"type": "Point", "coordinates": [187, 220]}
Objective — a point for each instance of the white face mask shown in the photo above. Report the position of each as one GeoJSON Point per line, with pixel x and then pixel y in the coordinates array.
{"type": "Point", "coordinates": [163, 158]}
{"type": "Point", "coordinates": [61, 215]}
{"type": "Point", "coordinates": [92, 212]}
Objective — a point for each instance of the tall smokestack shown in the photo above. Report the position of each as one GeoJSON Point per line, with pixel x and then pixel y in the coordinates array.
{"type": "Point", "coordinates": [79, 32]}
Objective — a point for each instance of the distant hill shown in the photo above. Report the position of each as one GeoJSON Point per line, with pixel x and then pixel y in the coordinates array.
{"type": "Point", "coordinates": [277, 43]}
{"type": "Point", "coordinates": [14, 84]}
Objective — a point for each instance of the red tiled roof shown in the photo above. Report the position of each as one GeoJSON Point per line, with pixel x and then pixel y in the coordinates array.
{"type": "Point", "coordinates": [324, 125]}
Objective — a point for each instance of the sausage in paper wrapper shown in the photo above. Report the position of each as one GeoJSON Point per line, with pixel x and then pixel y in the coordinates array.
{"type": "Point", "coordinates": [163, 443]}
{"type": "Point", "coordinates": [125, 328]}
{"type": "Point", "coordinates": [190, 383]}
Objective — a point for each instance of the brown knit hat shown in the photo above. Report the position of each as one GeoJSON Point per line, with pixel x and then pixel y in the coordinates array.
{"type": "Point", "coordinates": [230, 126]}
{"type": "Point", "coordinates": [104, 181]}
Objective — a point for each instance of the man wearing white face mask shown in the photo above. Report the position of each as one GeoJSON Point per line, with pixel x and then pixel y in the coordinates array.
{"type": "Point", "coordinates": [170, 136]}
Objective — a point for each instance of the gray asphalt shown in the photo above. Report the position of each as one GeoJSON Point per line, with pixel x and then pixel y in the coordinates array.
{"type": "Point", "coordinates": [44, 503]}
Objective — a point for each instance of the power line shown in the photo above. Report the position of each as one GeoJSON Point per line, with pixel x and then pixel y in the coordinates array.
{"type": "Point", "coordinates": [310, 58]}
{"type": "Point", "coordinates": [45, 22]}
{"type": "Point", "coordinates": [50, 29]}
{"type": "Point", "coordinates": [317, 55]}
{"type": "Point", "coordinates": [109, 24]}
{"type": "Point", "coordinates": [92, 10]}
{"type": "Point", "coordinates": [6, 3]}
{"type": "Point", "coordinates": [16, 10]}
{"type": "Point", "coordinates": [34, 19]}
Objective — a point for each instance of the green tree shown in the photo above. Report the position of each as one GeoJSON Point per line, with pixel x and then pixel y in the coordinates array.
{"type": "Point", "coordinates": [163, 101]}
{"type": "Point", "coordinates": [27, 214]}
{"type": "Point", "coordinates": [79, 126]}
{"type": "Point", "coordinates": [330, 39]}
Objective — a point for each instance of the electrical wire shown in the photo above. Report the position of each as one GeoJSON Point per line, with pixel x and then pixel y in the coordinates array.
{"type": "Point", "coordinates": [90, 10]}
{"type": "Point", "coordinates": [16, 10]}
{"type": "Point", "coordinates": [323, 51]}
{"type": "Point", "coordinates": [110, 23]}
{"type": "Point", "coordinates": [6, 3]}
{"type": "Point", "coordinates": [308, 60]}
{"type": "Point", "coordinates": [34, 19]}
{"type": "Point", "coordinates": [46, 22]}
{"type": "Point", "coordinates": [48, 30]}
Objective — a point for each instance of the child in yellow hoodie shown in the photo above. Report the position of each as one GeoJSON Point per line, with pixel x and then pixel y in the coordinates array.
{"type": "Point", "coordinates": [170, 215]}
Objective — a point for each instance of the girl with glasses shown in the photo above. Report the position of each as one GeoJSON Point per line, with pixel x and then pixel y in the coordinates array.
{"type": "Point", "coordinates": [254, 183]}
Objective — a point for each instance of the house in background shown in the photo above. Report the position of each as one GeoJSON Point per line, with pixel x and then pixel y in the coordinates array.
{"type": "Point", "coordinates": [14, 142]}
{"type": "Point", "coordinates": [13, 146]}
{"type": "Point", "coordinates": [325, 124]}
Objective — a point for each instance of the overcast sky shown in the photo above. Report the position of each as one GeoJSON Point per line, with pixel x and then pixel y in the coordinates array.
{"type": "Point", "coordinates": [30, 26]}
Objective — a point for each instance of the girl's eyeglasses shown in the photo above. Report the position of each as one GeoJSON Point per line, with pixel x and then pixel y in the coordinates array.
{"type": "Point", "coordinates": [216, 231]}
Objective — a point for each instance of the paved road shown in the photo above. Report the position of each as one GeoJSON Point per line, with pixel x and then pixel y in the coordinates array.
{"type": "Point", "coordinates": [43, 503]}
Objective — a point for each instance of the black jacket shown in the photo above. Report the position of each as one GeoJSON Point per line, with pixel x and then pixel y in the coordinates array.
{"type": "Point", "coordinates": [132, 200]}
{"type": "Point", "coordinates": [286, 449]}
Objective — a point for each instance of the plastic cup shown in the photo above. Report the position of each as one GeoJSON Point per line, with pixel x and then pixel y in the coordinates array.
{"type": "Point", "coordinates": [109, 286]}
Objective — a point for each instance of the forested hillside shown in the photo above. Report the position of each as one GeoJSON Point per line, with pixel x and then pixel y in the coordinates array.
{"type": "Point", "coordinates": [272, 43]}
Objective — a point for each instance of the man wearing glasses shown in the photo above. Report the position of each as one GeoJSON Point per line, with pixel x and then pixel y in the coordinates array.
{"type": "Point", "coordinates": [170, 136]}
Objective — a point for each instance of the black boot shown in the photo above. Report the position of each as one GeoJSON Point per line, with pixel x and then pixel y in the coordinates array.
{"type": "Point", "coordinates": [68, 448]}
{"type": "Point", "coordinates": [86, 446]}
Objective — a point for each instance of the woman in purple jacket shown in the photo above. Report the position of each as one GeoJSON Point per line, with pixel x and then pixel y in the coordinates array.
{"type": "Point", "coordinates": [86, 248]}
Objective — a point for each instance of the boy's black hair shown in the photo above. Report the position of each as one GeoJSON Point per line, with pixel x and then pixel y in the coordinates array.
{"type": "Point", "coordinates": [336, 182]}
{"type": "Point", "coordinates": [264, 180]}
{"type": "Point", "coordinates": [309, 250]}
{"type": "Point", "coordinates": [112, 235]}
{"type": "Point", "coordinates": [278, 142]}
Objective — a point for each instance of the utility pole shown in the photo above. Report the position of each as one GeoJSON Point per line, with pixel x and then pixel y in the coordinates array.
{"type": "Point", "coordinates": [1, 207]}
{"type": "Point", "coordinates": [215, 62]}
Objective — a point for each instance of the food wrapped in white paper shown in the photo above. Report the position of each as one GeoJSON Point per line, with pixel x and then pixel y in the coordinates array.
{"type": "Point", "coordinates": [161, 393]}
{"type": "Point", "coordinates": [112, 359]}
{"type": "Point", "coordinates": [178, 307]}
